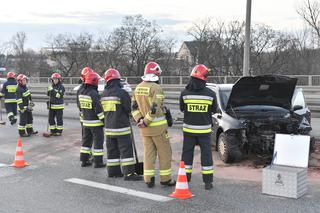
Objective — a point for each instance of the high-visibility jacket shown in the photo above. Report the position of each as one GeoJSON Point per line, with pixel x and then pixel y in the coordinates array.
{"type": "Point", "coordinates": [89, 101]}
{"type": "Point", "coordinates": [56, 93]}
{"type": "Point", "coordinates": [198, 107]}
{"type": "Point", "coordinates": [23, 97]}
{"type": "Point", "coordinates": [147, 103]}
{"type": "Point", "coordinates": [8, 91]}
{"type": "Point", "coordinates": [116, 105]}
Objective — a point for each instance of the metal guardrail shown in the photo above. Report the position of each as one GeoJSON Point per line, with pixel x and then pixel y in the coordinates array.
{"type": "Point", "coordinates": [172, 93]}
{"type": "Point", "coordinates": [303, 80]}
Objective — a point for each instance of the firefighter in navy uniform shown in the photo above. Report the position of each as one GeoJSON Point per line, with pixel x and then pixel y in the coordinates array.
{"type": "Point", "coordinates": [149, 113]}
{"type": "Point", "coordinates": [9, 93]}
{"type": "Point", "coordinates": [25, 107]}
{"type": "Point", "coordinates": [93, 122]}
{"type": "Point", "coordinates": [84, 72]}
{"type": "Point", "coordinates": [56, 105]}
{"type": "Point", "coordinates": [198, 104]}
{"type": "Point", "coordinates": [116, 104]}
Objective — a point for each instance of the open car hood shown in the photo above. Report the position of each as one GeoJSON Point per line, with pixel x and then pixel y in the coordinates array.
{"type": "Point", "coordinates": [272, 90]}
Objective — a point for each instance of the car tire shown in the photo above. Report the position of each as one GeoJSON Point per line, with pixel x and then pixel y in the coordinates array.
{"type": "Point", "coordinates": [228, 148]}
{"type": "Point", "coordinates": [312, 148]}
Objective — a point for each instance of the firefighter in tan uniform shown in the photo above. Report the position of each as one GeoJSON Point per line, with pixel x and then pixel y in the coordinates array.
{"type": "Point", "coordinates": [148, 112]}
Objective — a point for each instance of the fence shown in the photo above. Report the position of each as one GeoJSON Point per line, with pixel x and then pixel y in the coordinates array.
{"type": "Point", "coordinates": [303, 80]}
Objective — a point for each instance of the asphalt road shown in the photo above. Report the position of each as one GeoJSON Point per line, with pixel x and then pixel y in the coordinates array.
{"type": "Point", "coordinates": [41, 187]}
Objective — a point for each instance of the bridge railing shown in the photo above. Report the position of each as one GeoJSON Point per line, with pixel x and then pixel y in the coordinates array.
{"type": "Point", "coordinates": [303, 80]}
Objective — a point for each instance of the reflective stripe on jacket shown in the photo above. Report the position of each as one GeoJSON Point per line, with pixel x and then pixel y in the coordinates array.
{"type": "Point", "coordinates": [90, 106]}
{"type": "Point", "coordinates": [198, 107]}
{"type": "Point", "coordinates": [147, 104]}
{"type": "Point", "coordinates": [8, 91]}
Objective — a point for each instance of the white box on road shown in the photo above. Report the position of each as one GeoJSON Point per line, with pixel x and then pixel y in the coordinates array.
{"type": "Point", "coordinates": [284, 181]}
{"type": "Point", "coordinates": [287, 177]}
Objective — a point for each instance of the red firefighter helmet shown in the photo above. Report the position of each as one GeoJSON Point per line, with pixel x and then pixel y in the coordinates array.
{"type": "Point", "coordinates": [111, 74]}
{"type": "Point", "coordinates": [92, 78]}
{"type": "Point", "coordinates": [84, 72]}
{"type": "Point", "coordinates": [151, 72]}
{"type": "Point", "coordinates": [200, 71]}
{"type": "Point", "coordinates": [20, 77]}
{"type": "Point", "coordinates": [11, 75]}
{"type": "Point", "coordinates": [56, 75]}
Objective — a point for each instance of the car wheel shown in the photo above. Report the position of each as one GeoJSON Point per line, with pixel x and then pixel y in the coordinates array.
{"type": "Point", "coordinates": [228, 148]}
{"type": "Point", "coordinates": [312, 145]}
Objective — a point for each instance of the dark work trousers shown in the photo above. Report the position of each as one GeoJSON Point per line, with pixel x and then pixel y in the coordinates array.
{"type": "Point", "coordinates": [81, 122]}
{"type": "Point", "coordinates": [92, 135]}
{"type": "Point", "coordinates": [204, 141]}
{"type": "Point", "coordinates": [25, 123]}
{"type": "Point", "coordinates": [56, 120]}
{"type": "Point", "coordinates": [11, 109]}
{"type": "Point", "coordinates": [120, 154]}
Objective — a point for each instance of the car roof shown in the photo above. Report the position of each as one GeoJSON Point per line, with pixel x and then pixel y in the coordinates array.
{"type": "Point", "coordinates": [220, 86]}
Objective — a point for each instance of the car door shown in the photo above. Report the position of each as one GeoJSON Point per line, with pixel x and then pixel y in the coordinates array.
{"type": "Point", "coordinates": [216, 117]}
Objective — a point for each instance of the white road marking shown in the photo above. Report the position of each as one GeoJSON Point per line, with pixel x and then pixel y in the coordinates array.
{"type": "Point", "coordinates": [3, 165]}
{"type": "Point", "coordinates": [122, 190]}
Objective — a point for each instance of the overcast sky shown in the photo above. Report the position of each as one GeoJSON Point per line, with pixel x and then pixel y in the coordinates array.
{"type": "Point", "coordinates": [39, 18]}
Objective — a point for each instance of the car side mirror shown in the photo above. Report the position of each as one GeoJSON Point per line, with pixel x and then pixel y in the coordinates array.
{"type": "Point", "coordinates": [297, 107]}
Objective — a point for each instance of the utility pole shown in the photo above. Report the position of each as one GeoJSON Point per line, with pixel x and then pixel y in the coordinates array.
{"type": "Point", "coordinates": [246, 55]}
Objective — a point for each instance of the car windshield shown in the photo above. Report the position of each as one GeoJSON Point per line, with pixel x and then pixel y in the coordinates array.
{"type": "Point", "coordinates": [224, 96]}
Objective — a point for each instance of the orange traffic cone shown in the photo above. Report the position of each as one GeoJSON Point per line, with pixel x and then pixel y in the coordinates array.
{"type": "Point", "coordinates": [182, 189]}
{"type": "Point", "coordinates": [19, 159]}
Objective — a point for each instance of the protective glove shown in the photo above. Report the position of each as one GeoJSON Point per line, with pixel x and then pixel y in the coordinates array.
{"type": "Point", "coordinates": [29, 108]}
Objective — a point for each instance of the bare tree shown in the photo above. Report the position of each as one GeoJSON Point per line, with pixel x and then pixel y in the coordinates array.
{"type": "Point", "coordinates": [141, 39]}
{"type": "Point", "coordinates": [22, 60]}
{"type": "Point", "coordinates": [111, 47]}
{"type": "Point", "coordinates": [4, 51]}
{"type": "Point", "coordinates": [18, 42]}
{"type": "Point", "coordinates": [218, 46]}
{"type": "Point", "coordinates": [309, 10]}
{"type": "Point", "coordinates": [271, 50]}
{"type": "Point", "coordinates": [71, 52]}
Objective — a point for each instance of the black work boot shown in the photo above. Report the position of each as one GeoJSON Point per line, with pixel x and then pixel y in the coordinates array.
{"type": "Point", "coordinates": [168, 183]}
{"type": "Point", "coordinates": [151, 183]}
{"type": "Point", "coordinates": [13, 121]}
{"type": "Point", "coordinates": [34, 132]}
{"type": "Point", "coordinates": [115, 175]}
{"type": "Point", "coordinates": [208, 186]}
{"type": "Point", "coordinates": [24, 135]}
{"type": "Point", "coordinates": [133, 177]}
{"type": "Point", "coordinates": [86, 163]}
{"type": "Point", "coordinates": [99, 165]}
